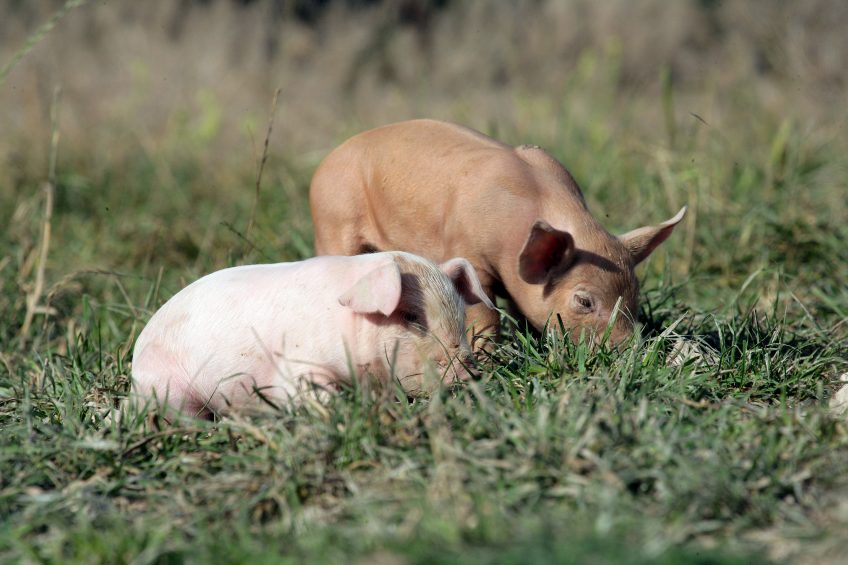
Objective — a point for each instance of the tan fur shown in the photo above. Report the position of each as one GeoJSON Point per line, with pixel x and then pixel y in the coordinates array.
{"type": "Point", "coordinates": [441, 190]}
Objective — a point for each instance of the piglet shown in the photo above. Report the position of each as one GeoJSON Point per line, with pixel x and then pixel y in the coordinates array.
{"type": "Point", "coordinates": [441, 190]}
{"type": "Point", "coordinates": [272, 331]}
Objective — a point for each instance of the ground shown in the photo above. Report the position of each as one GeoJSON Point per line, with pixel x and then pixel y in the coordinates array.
{"type": "Point", "coordinates": [707, 438]}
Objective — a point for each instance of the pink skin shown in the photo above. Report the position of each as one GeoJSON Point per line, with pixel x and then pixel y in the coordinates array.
{"type": "Point", "coordinates": [283, 328]}
{"type": "Point", "coordinates": [441, 190]}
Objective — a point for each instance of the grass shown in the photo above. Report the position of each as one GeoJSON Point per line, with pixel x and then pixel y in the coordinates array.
{"type": "Point", "coordinates": [706, 439]}
{"type": "Point", "coordinates": [558, 455]}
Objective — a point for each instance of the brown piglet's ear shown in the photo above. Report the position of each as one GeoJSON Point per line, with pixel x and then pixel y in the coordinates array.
{"type": "Point", "coordinates": [465, 280]}
{"type": "Point", "coordinates": [642, 241]}
{"type": "Point", "coordinates": [547, 250]}
{"type": "Point", "coordinates": [378, 291]}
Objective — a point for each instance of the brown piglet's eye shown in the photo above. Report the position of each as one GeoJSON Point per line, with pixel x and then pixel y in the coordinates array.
{"type": "Point", "coordinates": [584, 301]}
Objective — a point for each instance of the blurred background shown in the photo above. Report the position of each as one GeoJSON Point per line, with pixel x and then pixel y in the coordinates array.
{"type": "Point", "coordinates": [736, 108]}
{"type": "Point", "coordinates": [141, 76]}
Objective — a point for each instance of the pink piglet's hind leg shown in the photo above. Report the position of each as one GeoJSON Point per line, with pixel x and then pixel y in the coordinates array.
{"type": "Point", "coordinates": [160, 385]}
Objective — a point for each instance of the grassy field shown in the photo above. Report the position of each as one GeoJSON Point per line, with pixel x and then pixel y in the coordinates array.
{"type": "Point", "coordinates": [706, 439]}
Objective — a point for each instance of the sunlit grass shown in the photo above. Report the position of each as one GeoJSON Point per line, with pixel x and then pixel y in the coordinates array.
{"type": "Point", "coordinates": [706, 438]}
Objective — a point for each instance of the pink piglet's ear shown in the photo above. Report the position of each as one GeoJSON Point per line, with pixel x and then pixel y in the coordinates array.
{"type": "Point", "coordinates": [378, 291]}
{"type": "Point", "coordinates": [465, 280]}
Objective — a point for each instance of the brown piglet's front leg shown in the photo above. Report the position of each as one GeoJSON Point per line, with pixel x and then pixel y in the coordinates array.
{"type": "Point", "coordinates": [482, 325]}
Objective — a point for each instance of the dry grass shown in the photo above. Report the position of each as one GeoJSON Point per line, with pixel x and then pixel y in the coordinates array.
{"type": "Point", "coordinates": [155, 78]}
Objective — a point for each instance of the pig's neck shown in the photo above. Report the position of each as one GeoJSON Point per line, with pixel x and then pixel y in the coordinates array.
{"type": "Point", "coordinates": [565, 213]}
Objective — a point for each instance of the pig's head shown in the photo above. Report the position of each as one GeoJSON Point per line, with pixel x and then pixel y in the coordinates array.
{"type": "Point", "coordinates": [417, 311]}
{"type": "Point", "coordinates": [583, 284]}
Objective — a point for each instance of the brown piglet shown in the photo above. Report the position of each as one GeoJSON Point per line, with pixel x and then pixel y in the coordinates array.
{"type": "Point", "coordinates": [442, 190]}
